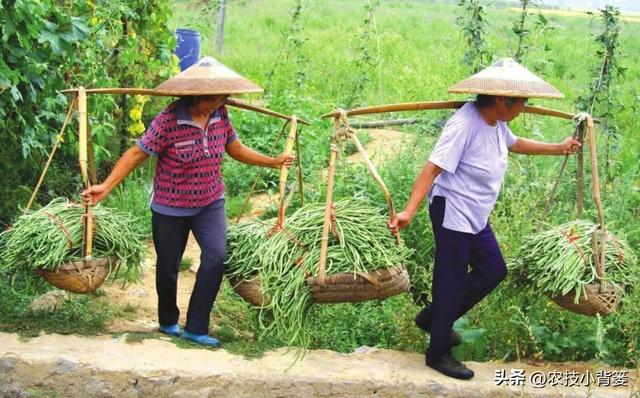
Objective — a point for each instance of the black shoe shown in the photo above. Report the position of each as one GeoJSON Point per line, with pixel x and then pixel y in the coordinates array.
{"type": "Point", "coordinates": [423, 321]}
{"type": "Point", "coordinates": [449, 366]}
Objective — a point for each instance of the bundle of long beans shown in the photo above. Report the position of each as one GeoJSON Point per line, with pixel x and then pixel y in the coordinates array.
{"type": "Point", "coordinates": [52, 235]}
{"type": "Point", "coordinates": [561, 259]}
{"type": "Point", "coordinates": [360, 242]}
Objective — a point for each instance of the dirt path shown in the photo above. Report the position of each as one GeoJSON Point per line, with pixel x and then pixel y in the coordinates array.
{"type": "Point", "coordinates": [74, 366]}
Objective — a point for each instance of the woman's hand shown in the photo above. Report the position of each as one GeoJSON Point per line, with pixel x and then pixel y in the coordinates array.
{"type": "Point", "coordinates": [402, 220]}
{"type": "Point", "coordinates": [283, 159]}
{"type": "Point", "coordinates": [95, 193]}
{"type": "Point", "coordinates": [569, 146]}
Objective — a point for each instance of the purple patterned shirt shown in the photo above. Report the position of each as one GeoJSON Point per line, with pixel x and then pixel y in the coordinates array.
{"type": "Point", "coordinates": [187, 172]}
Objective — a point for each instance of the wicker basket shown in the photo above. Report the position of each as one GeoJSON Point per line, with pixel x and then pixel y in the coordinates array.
{"type": "Point", "coordinates": [250, 291]}
{"type": "Point", "coordinates": [340, 288]}
{"type": "Point", "coordinates": [595, 302]}
{"type": "Point", "coordinates": [83, 276]}
{"type": "Point", "coordinates": [351, 288]}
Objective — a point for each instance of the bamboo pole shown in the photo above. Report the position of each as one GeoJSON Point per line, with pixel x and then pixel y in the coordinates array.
{"type": "Point", "coordinates": [580, 174]}
{"type": "Point", "coordinates": [244, 105]}
{"type": "Point", "coordinates": [59, 137]}
{"type": "Point", "coordinates": [284, 170]}
{"type": "Point", "coordinates": [376, 177]}
{"type": "Point", "coordinates": [145, 91]}
{"type": "Point", "coordinates": [596, 197]}
{"type": "Point", "coordinates": [324, 242]}
{"type": "Point", "coordinates": [440, 105]}
{"type": "Point", "coordinates": [87, 247]}
{"type": "Point", "coordinates": [299, 168]}
{"type": "Point", "coordinates": [408, 106]}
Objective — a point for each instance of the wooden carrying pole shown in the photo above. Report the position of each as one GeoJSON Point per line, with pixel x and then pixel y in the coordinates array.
{"type": "Point", "coordinates": [145, 91]}
{"type": "Point", "coordinates": [284, 170]}
{"type": "Point", "coordinates": [83, 142]}
{"type": "Point", "coordinates": [439, 105]}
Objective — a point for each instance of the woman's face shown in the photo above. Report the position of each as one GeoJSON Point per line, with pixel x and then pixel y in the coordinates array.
{"type": "Point", "coordinates": [507, 112]}
{"type": "Point", "coordinates": [206, 104]}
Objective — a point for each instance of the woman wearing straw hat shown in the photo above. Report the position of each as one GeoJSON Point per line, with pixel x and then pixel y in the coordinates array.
{"type": "Point", "coordinates": [461, 180]}
{"type": "Point", "coordinates": [189, 139]}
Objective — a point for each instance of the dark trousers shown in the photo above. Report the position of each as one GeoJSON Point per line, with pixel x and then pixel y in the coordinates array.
{"type": "Point", "coordinates": [456, 290]}
{"type": "Point", "coordinates": [170, 236]}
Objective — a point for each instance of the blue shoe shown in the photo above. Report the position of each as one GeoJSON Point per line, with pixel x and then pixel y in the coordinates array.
{"type": "Point", "coordinates": [173, 330]}
{"type": "Point", "coordinates": [203, 339]}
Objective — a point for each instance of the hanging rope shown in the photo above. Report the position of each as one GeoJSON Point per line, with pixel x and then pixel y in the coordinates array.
{"type": "Point", "coordinates": [255, 182]}
{"type": "Point", "coordinates": [580, 121]}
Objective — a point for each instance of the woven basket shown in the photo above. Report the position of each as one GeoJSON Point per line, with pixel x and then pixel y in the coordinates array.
{"type": "Point", "coordinates": [595, 302]}
{"type": "Point", "coordinates": [250, 291]}
{"type": "Point", "coordinates": [340, 288]}
{"type": "Point", "coordinates": [351, 288]}
{"type": "Point", "coordinates": [83, 276]}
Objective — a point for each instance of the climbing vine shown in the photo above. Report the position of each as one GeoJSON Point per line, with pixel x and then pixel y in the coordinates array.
{"type": "Point", "coordinates": [368, 55]}
{"type": "Point", "coordinates": [474, 29]}
{"type": "Point", "coordinates": [601, 99]}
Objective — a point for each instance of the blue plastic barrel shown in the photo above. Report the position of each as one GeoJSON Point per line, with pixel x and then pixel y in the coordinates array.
{"type": "Point", "coordinates": [188, 47]}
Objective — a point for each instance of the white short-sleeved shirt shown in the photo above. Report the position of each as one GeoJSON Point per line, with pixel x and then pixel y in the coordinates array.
{"type": "Point", "coordinates": [473, 157]}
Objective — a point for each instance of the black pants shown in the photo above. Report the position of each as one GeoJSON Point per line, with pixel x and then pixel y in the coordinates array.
{"type": "Point", "coordinates": [170, 236]}
{"type": "Point", "coordinates": [456, 290]}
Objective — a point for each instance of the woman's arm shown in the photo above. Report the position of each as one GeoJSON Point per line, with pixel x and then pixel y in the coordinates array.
{"type": "Point", "coordinates": [421, 186]}
{"type": "Point", "coordinates": [241, 153]}
{"type": "Point", "coordinates": [127, 162]}
{"type": "Point", "coordinates": [526, 146]}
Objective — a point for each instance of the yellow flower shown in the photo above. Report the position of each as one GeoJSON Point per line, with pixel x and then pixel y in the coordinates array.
{"type": "Point", "coordinates": [136, 128]}
{"type": "Point", "coordinates": [94, 21]}
{"type": "Point", "coordinates": [136, 113]}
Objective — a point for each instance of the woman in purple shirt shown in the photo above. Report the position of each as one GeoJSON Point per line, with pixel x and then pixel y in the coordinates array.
{"type": "Point", "coordinates": [461, 180]}
{"type": "Point", "coordinates": [189, 139]}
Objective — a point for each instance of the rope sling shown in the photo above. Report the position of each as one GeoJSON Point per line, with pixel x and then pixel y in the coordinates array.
{"type": "Point", "coordinates": [599, 298]}
{"type": "Point", "coordinates": [341, 287]}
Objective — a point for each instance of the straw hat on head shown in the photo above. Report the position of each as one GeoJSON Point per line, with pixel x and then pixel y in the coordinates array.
{"type": "Point", "coordinates": [507, 78]}
{"type": "Point", "coordinates": [207, 77]}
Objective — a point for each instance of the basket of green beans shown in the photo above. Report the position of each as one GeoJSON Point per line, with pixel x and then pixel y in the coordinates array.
{"type": "Point", "coordinates": [275, 269]}
{"type": "Point", "coordinates": [49, 241]}
{"type": "Point", "coordinates": [567, 263]}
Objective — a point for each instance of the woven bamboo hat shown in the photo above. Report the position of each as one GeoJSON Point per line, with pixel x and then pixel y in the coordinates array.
{"type": "Point", "coordinates": [207, 77]}
{"type": "Point", "coordinates": [509, 78]}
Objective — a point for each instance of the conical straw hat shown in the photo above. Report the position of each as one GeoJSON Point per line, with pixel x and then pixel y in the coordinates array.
{"type": "Point", "coordinates": [207, 77]}
{"type": "Point", "coordinates": [508, 78]}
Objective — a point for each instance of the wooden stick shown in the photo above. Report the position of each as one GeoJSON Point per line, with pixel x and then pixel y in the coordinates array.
{"type": "Point", "coordinates": [299, 168]}
{"type": "Point", "coordinates": [596, 196]}
{"type": "Point", "coordinates": [72, 106]}
{"type": "Point", "coordinates": [87, 247]}
{"type": "Point", "coordinates": [257, 179]}
{"type": "Point", "coordinates": [580, 174]}
{"type": "Point", "coordinates": [324, 243]}
{"type": "Point", "coordinates": [439, 105]}
{"type": "Point", "coordinates": [408, 106]}
{"type": "Point", "coordinates": [385, 123]}
{"type": "Point", "coordinates": [145, 91]}
{"type": "Point", "coordinates": [376, 176]}
{"type": "Point", "coordinates": [284, 170]}
{"type": "Point", "coordinates": [244, 105]}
